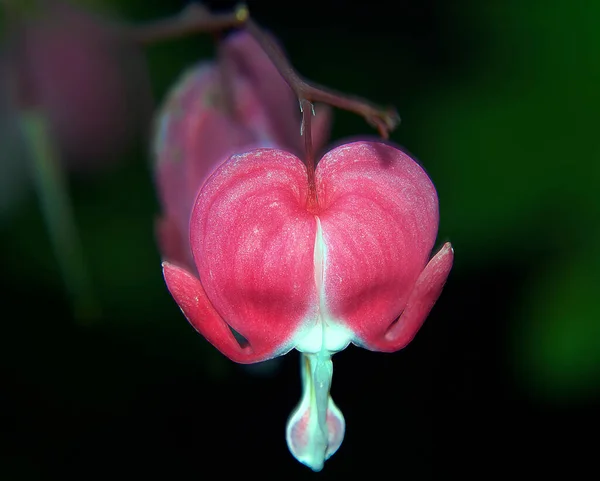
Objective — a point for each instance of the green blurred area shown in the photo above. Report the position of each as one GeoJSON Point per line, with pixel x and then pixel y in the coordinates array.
{"type": "Point", "coordinates": [516, 154]}
{"type": "Point", "coordinates": [499, 102]}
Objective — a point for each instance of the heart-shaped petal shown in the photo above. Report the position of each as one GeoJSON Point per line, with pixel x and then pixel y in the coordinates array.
{"type": "Point", "coordinates": [379, 216]}
{"type": "Point", "coordinates": [282, 275]}
{"type": "Point", "coordinates": [253, 242]}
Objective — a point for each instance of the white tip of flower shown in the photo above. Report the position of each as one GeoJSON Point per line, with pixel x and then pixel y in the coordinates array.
{"type": "Point", "coordinates": [315, 430]}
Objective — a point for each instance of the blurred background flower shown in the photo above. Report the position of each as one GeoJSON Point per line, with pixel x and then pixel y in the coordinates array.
{"type": "Point", "coordinates": [499, 102]}
{"type": "Point", "coordinates": [78, 67]}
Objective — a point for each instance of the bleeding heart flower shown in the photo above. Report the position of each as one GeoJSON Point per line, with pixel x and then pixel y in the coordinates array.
{"type": "Point", "coordinates": [216, 110]}
{"type": "Point", "coordinates": [285, 270]}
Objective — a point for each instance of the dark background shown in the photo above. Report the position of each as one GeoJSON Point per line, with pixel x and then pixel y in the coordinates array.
{"type": "Point", "coordinates": [499, 102]}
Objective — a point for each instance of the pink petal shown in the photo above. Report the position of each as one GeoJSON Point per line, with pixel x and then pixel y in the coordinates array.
{"type": "Point", "coordinates": [379, 219]}
{"type": "Point", "coordinates": [189, 295]}
{"type": "Point", "coordinates": [172, 244]}
{"type": "Point", "coordinates": [425, 292]}
{"type": "Point", "coordinates": [193, 136]}
{"type": "Point", "coordinates": [253, 244]}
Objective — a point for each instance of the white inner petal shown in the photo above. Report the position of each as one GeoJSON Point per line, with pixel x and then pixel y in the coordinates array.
{"type": "Point", "coordinates": [315, 430]}
{"type": "Point", "coordinates": [326, 334]}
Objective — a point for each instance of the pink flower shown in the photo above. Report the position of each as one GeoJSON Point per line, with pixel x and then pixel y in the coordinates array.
{"type": "Point", "coordinates": [286, 271]}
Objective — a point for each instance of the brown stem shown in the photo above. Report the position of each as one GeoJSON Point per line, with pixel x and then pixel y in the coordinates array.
{"type": "Point", "coordinates": [307, 109]}
{"type": "Point", "coordinates": [383, 119]}
{"type": "Point", "coordinates": [197, 18]}
{"type": "Point", "coordinates": [193, 19]}
{"type": "Point", "coordinates": [225, 87]}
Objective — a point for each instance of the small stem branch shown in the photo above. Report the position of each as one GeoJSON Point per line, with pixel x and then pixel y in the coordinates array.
{"type": "Point", "coordinates": [307, 112]}
{"type": "Point", "coordinates": [226, 88]}
{"type": "Point", "coordinates": [58, 214]}
{"type": "Point", "coordinates": [197, 18]}
{"type": "Point", "coordinates": [193, 19]}
{"type": "Point", "coordinates": [307, 109]}
{"type": "Point", "coordinates": [383, 119]}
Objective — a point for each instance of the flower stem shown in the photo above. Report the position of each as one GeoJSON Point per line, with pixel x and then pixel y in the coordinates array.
{"type": "Point", "coordinates": [308, 111]}
{"type": "Point", "coordinates": [197, 18]}
{"type": "Point", "coordinates": [192, 19]}
{"type": "Point", "coordinates": [54, 201]}
{"type": "Point", "coordinates": [383, 119]}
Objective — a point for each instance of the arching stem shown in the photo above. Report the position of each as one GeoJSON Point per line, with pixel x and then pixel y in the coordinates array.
{"type": "Point", "coordinates": [192, 19]}
{"type": "Point", "coordinates": [197, 18]}
{"type": "Point", "coordinates": [226, 87]}
{"type": "Point", "coordinates": [383, 119]}
{"type": "Point", "coordinates": [57, 209]}
{"type": "Point", "coordinates": [308, 111]}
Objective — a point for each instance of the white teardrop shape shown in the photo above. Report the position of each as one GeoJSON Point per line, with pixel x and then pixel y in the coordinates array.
{"type": "Point", "coordinates": [315, 430]}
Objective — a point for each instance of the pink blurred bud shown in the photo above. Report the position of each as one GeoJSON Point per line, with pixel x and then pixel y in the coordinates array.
{"type": "Point", "coordinates": [356, 269]}
{"type": "Point", "coordinates": [217, 109]}
{"type": "Point", "coordinates": [88, 80]}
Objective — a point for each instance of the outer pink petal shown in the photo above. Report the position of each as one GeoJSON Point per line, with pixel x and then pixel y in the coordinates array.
{"type": "Point", "coordinates": [379, 218]}
{"type": "Point", "coordinates": [193, 136]}
{"type": "Point", "coordinates": [253, 243]}
{"type": "Point", "coordinates": [187, 291]}
{"type": "Point", "coordinates": [425, 292]}
{"type": "Point", "coordinates": [170, 242]}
